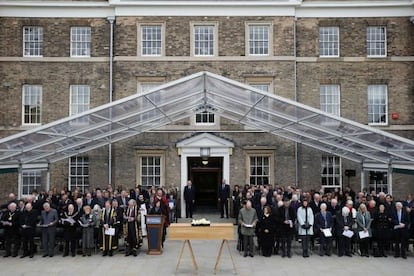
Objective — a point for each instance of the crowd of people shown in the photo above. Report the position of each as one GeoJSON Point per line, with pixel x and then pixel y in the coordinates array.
{"type": "Point", "coordinates": [369, 224]}
{"type": "Point", "coordinates": [338, 222]}
{"type": "Point", "coordinates": [97, 220]}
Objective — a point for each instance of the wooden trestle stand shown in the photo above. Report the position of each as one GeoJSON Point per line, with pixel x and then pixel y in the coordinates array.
{"type": "Point", "coordinates": [216, 231]}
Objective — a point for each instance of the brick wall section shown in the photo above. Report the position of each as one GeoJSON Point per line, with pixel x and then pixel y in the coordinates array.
{"type": "Point", "coordinates": [352, 31]}
{"type": "Point", "coordinates": [56, 79]}
{"type": "Point", "coordinates": [354, 79]}
{"type": "Point", "coordinates": [231, 32]}
{"type": "Point", "coordinates": [126, 73]}
{"type": "Point", "coordinates": [56, 35]}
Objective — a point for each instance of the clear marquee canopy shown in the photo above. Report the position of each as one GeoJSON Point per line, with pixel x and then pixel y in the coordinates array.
{"type": "Point", "coordinates": [196, 93]}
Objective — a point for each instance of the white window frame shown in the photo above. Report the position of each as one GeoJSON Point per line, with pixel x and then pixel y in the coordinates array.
{"type": "Point", "coordinates": [140, 42]}
{"type": "Point", "coordinates": [207, 115]}
{"type": "Point", "coordinates": [27, 88]}
{"type": "Point", "coordinates": [374, 89]}
{"type": "Point", "coordinates": [85, 35]}
{"type": "Point", "coordinates": [376, 41]}
{"type": "Point", "coordinates": [153, 154]}
{"type": "Point", "coordinates": [326, 103]}
{"type": "Point", "coordinates": [79, 164]}
{"type": "Point", "coordinates": [327, 52]}
{"type": "Point", "coordinates": [143, 87]}
{"type": "Point", "coordinates": [335, 164]}
{"type": "Point", "coordinates": [259, 85]}
{"type": "Point", "coordinates": [380, 185]}
{"type": "Point", "coordinates": [74, 106]}
{"type": "Point", "coordinates": [260, 154]}
{"type": "Point", "coordinates": [77, 89]}
{"type": "Point", "coordinates": [36, 175]}
{"type": "Point", "coordinates": [248, 41]}
{"type": "Point", "coordinates": [193, 25]}
{"type": "Point", "coordinates": [33, 40]}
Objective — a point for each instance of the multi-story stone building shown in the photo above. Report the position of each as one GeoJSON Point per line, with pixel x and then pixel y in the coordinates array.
{"type": "Point", "coordinates": [354, 59]}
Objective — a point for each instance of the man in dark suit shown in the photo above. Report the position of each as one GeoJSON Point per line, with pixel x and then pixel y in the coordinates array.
{"type": "Point", "coordinates": [123, 200]}
{"type": "Point", "coordinates": [189, 198]}
{"type": "Point", "coordinates": [286, 223]}
{"type": "Point", "coordinates": [88, 200]}
{"type": "Point", "coordinates": [400, 221]}
{"type": "Point", "coordinates": [344, 222]}
{"type": "Point", "coordinates": [223, 196]}
{"type": "Point", "coordinates": [324, 220]}
{"type": "Point", "coordinates": [28, 221]}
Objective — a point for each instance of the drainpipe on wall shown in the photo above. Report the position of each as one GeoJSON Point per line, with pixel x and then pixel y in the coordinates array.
{"type": "Point", "coordinates": [111, 20]}
{"type": "Point", "coordinates": [296, 99]}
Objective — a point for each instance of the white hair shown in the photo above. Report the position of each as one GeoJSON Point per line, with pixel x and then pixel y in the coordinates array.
{"type": "Point", "coordinates": [345, 211]}
{"type": "Point", "coordinates": [323, 206]}
{"type": "Point", "coordinates": [398, 204]}
{"type": "Point", "coordinates": [294, 197]}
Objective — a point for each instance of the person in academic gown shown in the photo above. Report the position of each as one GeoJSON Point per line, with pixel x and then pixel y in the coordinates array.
{"type": "Point", "coordinates": [132, 228]}
{"type": "Point", "coordinates": [10, 221]}
{"type": "Point", "coordinates": [69, 221]}
{"type": "Point", "coordinates": [108, 221]}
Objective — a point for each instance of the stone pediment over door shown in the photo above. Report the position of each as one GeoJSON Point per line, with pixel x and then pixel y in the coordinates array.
{"type": "Point", "coordinates": [205, 140]}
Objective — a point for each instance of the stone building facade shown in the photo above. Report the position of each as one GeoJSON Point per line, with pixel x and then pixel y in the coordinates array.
{"type": "Point", "coordinates": [289, 36]}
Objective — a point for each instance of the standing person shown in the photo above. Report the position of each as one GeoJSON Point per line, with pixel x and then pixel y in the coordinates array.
{"type": "Point", "coordinates": [10, 221]}
{"type": "Point", "coordinates": [266, 232]}
{"type": "Point", "coordinates": [248, 220]}
{"type": "Point", "coordinates": [286, 220]}
{"type": "Point", "coordinates": [189, 198]}
{"type": "Point", "coordinates": [108, 222]}
{"type": "Point", "coordinates": [237, 202]}
{"type": "Point", "coordinates": [400, 221]}
{"type": "Point", "coordinates": [323, 221]}
{"type": "Point", "coordinates": [344, 222]}
{"type": "Point", "coordinates": [48, 221]}
{"type": "Point", "coordinates": [224, 194]}
{"type": "Point", "coordinates": [70, 222]}
{"type": "Point", "coordinates": [172, 205]}
{"type": "Point", "coordinates": [382, 230]}
{"type": "Point", "coordinates": [119, 222]}
{"type": "Point", "coordinates": [363, 220]}
{"type": "Point", "coordinates": [88, 222]}
{"type": "Point", "coordinates": [28, 221]}
{"type": "Point", "coordinates": [132, 228]}
{"type": "Point", "coordinates": [305, 229]}
{"type": "Point", "coordinates": [163, 209]}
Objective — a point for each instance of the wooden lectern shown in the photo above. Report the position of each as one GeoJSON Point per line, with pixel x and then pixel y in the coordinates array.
{"type": "Point", "coordinates": [155, 226]}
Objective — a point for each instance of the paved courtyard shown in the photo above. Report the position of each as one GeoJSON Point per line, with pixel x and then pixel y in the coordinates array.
{"type": "Point", "coordinates": [206, 253]}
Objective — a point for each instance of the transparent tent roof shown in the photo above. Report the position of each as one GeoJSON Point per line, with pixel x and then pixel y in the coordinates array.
{"type": "Point", "coordinates": [185, 97]}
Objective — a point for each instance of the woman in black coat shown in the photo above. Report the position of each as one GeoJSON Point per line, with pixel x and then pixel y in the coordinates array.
{"type": "Point", "coordinates": [382, 230]}
{"type": "Point", "coordinates": [266, 232]}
